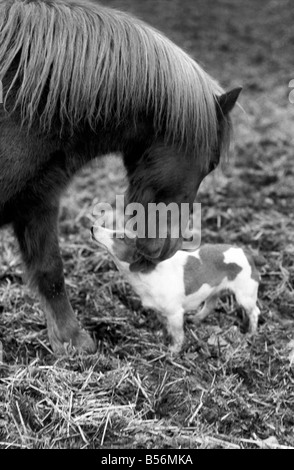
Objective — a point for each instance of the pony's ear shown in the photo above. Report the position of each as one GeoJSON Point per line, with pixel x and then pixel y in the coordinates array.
{"type": "Point", "coordinates": [228, 100]}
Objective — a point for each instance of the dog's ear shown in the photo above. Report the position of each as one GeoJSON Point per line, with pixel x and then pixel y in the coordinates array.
{"type": "Point", "coordinates": [124, 248]}
{"type": "Point", "coordinates": [142, 265]}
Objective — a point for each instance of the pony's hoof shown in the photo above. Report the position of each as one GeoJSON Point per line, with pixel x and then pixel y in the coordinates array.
{"type": "Point", "coordinates": [81, 341]}
{"type": "Point", "coordinates": [84, 343]}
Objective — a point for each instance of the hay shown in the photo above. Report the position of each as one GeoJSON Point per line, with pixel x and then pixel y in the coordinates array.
{"type": "Point", "coordinates": [224, 390]}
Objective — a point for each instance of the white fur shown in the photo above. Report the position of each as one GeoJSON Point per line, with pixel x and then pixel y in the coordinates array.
{"type": "Point", "coordinates": [163, 288]}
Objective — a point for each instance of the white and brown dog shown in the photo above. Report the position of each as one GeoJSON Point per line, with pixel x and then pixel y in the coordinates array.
{"type": "Point", "coordinates": [186, 280]}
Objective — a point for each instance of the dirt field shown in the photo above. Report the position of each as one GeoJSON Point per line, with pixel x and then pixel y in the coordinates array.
{"type": "Point", "coordinates": [224, 390]}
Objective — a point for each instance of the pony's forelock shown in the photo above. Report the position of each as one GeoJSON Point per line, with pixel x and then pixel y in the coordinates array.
{"type": "Point", "coordinates": [93, 64]}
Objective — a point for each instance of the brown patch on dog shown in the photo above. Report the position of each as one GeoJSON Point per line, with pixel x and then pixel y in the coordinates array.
{"type": "Point", "coordinates": [209, 269]}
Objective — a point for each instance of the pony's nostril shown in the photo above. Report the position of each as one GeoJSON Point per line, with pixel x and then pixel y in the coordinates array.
{"type": "Point", "coordinates": [149, 248]}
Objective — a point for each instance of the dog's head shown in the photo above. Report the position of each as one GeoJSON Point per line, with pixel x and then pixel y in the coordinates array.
{"type": "Point", "coordinates": [116, 243]}
{"type": "Point", "coordinates": [121, 245]}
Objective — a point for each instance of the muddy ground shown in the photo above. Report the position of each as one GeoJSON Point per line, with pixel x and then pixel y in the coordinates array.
{"type": "Point", "coordinates": [225, 389]}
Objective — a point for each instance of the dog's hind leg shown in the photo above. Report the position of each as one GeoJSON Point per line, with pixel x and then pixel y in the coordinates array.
{"type": "Point", "coordinates": [253, 315]}
{"type": "Point", "coordinates": [36, 230]}
{"type": "Point", "coordinates": [246, 296]}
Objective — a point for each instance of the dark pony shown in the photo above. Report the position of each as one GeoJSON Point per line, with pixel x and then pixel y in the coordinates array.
{"type": "Point", "coordinates": [81, 80]}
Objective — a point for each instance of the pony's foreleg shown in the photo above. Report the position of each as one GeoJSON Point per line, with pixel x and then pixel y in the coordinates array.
{"type": "Point", "coordinates": [37, 236]}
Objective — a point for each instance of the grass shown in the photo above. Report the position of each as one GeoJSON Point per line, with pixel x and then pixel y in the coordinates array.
{"type": "Point", "coordinates": [225, 390]}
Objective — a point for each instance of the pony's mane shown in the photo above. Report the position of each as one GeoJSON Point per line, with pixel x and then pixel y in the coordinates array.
{"type": "Point", "coordinates": [95, 63]}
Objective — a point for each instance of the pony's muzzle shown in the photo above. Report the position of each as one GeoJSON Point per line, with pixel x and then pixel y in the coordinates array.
{"type": "Point", "coordinates": [158, 249]}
